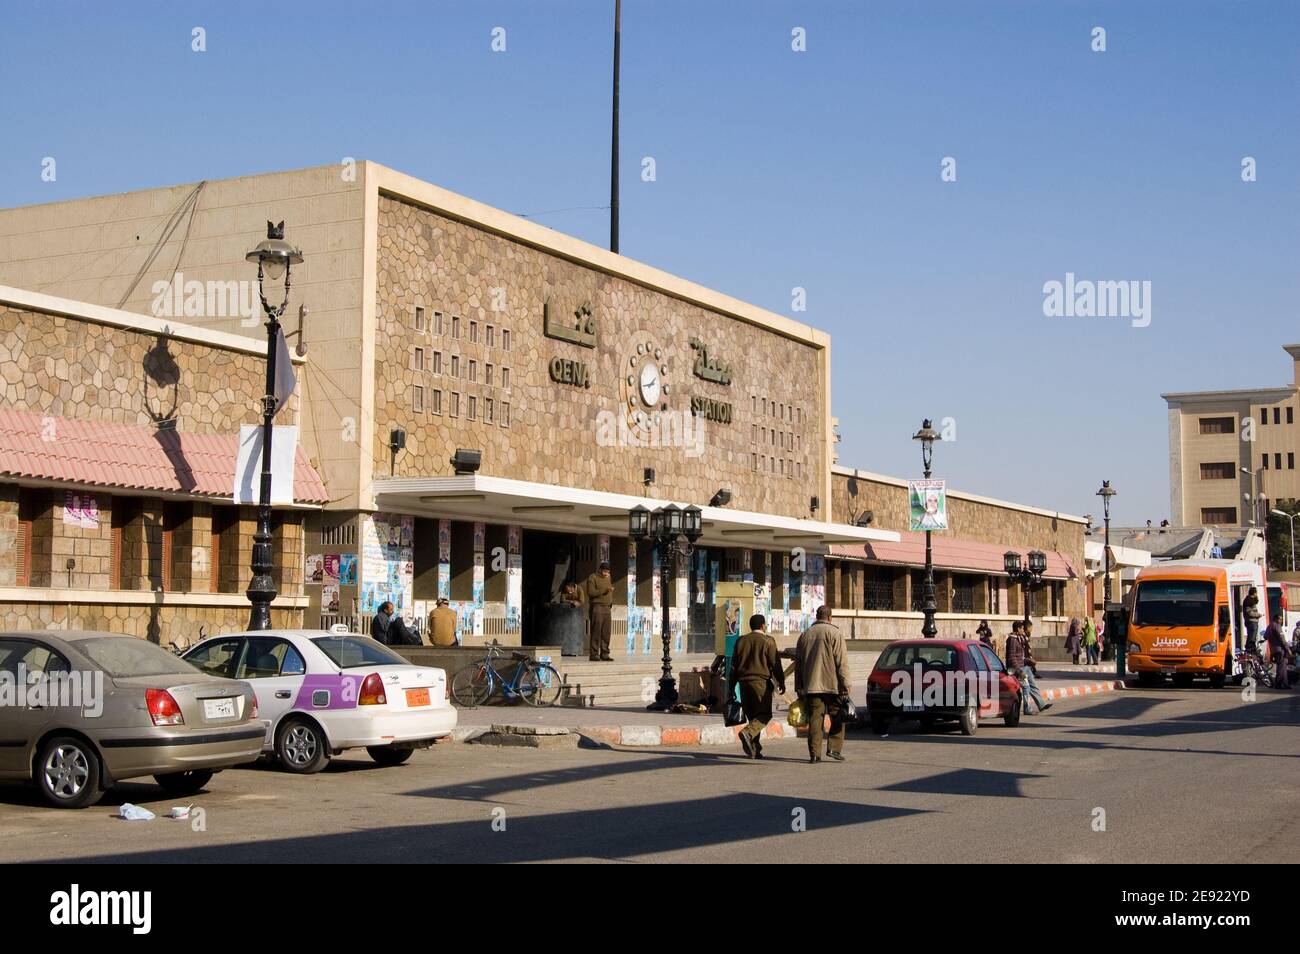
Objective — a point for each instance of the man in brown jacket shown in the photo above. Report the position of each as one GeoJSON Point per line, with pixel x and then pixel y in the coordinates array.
{"type": "Point", "coordinates": [756, 668]}
{"type": "Point", "coordinates": [442, 624]}
{"type": "Point", "coordinates": [821, 679]}
{"type": "Point", "coordinates": [599, 589]}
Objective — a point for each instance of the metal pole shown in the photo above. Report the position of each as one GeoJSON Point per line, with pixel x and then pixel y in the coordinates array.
{"type": "Point", "coordinates": [261, 589]}
{"type": "Point", "coordinates": [666, 697]}
{"type": "Point", "coordinates": [613, 151]}
{"type": "Point", "coordinates": [928, 629]}
{"type": "Point", "coordinates": [1105, 599]}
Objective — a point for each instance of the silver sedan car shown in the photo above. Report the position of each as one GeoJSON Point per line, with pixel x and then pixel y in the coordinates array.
{"type": "Point", "coordinates": [80, 711]}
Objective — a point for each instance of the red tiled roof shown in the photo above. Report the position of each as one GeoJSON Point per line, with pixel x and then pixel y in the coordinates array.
{"type": "Point", "coordinates": [949, 554]}
{"type": "Point", "coordinates": [131, 456]}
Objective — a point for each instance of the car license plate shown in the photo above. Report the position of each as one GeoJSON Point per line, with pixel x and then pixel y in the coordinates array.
{"type": "Point", "coordinates": [219, 708]}
{"type": "Point", "coordinates": [911, 708]}
{"type": "Point", "coordinates": [417, 697]}
{"type": "Point", "coordinates": [1168, 670]}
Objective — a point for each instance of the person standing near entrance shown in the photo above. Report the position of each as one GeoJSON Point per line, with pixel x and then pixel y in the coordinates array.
{"type": "Point", "coordinates": [756, 669]}
{"type": "Point", "coordinates": [599, 589]}
{"type": "Point", "coordinates": [821, 679]}
{"type": "Point", "coordinates": [1278, 650]}
{"type": "Point", "coordinates": [1250, 609]}
{"type": "Point", "coordinates": [442, 624]}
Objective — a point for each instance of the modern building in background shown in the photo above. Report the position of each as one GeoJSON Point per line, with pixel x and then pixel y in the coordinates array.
{"type": "Point", "coordinates": [1232, 454]}
{"type": "Point", "coordinates": [481, 402]}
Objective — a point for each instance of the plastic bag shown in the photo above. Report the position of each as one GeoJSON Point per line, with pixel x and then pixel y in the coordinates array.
{"type": "Point", "coordinates": [135, 813]}
{"type": "Point", "coordinates": [798, 715]}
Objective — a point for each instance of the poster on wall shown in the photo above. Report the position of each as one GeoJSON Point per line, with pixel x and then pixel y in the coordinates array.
{"type": "Point", "coordinates": [514, 580]}
{"type": "Point", "coordinates": [80, 510]}
{"type": "Point", "coordinates": [927, 505]}
{"type": "Point", "coordinates": [315, 571]}
{"type": "Point", "coordinates": [348, 569]}
{"type": "Point", "coordinates": [386, 563]}
{"type": "Point", "coordinates": [444, 559]}
{"type": "Point", "coordinates": [329, 598]}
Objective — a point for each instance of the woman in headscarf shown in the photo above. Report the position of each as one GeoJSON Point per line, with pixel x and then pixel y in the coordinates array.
{"type": "Point", "coordinates": [1074, 639]}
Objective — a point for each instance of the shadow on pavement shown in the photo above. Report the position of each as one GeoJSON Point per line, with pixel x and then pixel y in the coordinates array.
{"type": "Point", "coordinates": [965, 782]}
{"type": "Point", "coordinates": [612, 833]}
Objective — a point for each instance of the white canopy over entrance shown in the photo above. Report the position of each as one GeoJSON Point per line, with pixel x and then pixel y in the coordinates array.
{"type": "Point", "coordinates": [571, 510]}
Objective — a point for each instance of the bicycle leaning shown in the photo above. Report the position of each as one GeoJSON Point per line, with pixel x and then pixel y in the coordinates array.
{"type": "Point", "coordinates": [537, 683]}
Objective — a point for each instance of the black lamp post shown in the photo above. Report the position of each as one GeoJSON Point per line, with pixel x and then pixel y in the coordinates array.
{"type": "Point", "coordinates": [1106, 492]}
{"type": "Point", "coordinates": [927, 435]}
{"type": "Point", "coordinates": [1029, 576]}
{"type": "Point", "coordinates": [273, 256]}
{"type": "Point", "coordinates": [665, 527]}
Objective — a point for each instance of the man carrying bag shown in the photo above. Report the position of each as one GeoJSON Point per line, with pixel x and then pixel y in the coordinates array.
{"type": "Point", "coordinates": [756, 669]}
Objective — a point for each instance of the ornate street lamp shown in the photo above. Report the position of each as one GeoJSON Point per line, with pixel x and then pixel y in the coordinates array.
{"type": "Point", "coordinates": [1028, 577]}
{"type": "Point", "coordinates": [274, 257]}
{"type": "Point", "coordinates": [1106, 492]}
{"type": "Point", "coordinates": [665, 528]}
{"type": "Point", "coordinates": [927, 435]}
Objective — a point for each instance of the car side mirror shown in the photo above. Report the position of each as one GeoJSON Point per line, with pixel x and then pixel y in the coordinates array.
{"type": "Point", "coordinates": [1225, 623]}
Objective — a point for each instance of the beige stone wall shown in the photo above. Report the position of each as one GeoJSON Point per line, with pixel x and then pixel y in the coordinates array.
{"type": "Point", "coordinates": [159, 624]}
{"type": "Point", "coordinates": [445, 266]}
{"type": "Point", "coordinates": [977, 521]}
{"type": "Point", "coordinates": [97, 250]}
{"type": "Point", "coordinates": [78, 369]}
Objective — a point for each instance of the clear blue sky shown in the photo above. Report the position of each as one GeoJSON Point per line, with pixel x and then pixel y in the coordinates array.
{"type": "Point", "coordinates": [779, 169]}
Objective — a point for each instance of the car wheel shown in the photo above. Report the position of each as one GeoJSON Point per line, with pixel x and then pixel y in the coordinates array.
{"type": "Point", "coordinates": [68, 773]}
{"type": "Point", "coordinates": [184, 783]}
{"type": "Point", "coordinates": [970, 719]}
{"type": "Point", "coordinates": [1012, 718]}
{"type": "Point", "coordinates": [301, 747]}
{"type": "Point", "coordinates": [879, 725]}
{"type": "Point", "coordinates": [387, 755]}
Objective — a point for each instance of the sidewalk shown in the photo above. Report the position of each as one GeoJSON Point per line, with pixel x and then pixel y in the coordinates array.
{"type": "Point", "coordinates": [637, 727]}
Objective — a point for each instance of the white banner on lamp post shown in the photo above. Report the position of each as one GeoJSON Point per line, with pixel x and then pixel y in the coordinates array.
{"type": "Point", "coordinates": [248, 466]}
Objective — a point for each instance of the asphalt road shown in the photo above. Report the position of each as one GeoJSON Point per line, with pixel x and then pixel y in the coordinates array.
{"type": "Point", "coordinates": [1181, 775]}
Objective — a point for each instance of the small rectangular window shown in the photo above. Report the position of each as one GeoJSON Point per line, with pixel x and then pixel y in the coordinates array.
{"type": "Point", "coordinates": [1264, 462]}
{"type": "Point", "coordinates": [437, 323]}
{"type": "Point", "coordinates": [419, 318]}
{"type": "Point", "coordinates": [487, 410]}
{"type": "Point", "coordinates": [473, 331]}
{"type": "Point", "coordinates": [505, 413]}
{"type": "Point", "coordinates": [455, 326]}
{"type": "Point", "coordinates": [1217, 425]}
{"type": "Point", "coordinates": [437, 362]}
{"type": "Point", "coordinates": [472, 408]}
{"type": "Point", "coordinates": [505, 378]}
{"type": "Point", "coordinates": [1290, 414]}
{"type": "Point", "coordinates": [1277, 415]}
{"type": "Point", "coordinates": [435, 401]}
{"type": "Point", "coordinates": [455, 365]}
{"type": "Point", "coordinates": [1277, 461]}
{"type": "Point", "coordinates": [1221, 516]}
{"type": "Point", "coordinates": [487, 375]}
{"type": "Point", "coordinates": [417, 399]}
{"type": "Point", "coordinates": [1218, 471]}
{"type": "Point", "coordinates": [455, 404]}
{"type": "Point", "coordinates": [417, 363]}
{"type": "Point", "coordinates": [490, 337]}
{"type": "Point", "coordinates": [505, 339]}
{"type": "Point", "coordinates": [1290, 460]}
{"type": "Point", "coordinates": [473, 370]}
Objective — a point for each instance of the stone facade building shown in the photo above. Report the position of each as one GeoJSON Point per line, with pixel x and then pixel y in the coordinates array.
{"type": "Point", "coordinates": [586, 383]}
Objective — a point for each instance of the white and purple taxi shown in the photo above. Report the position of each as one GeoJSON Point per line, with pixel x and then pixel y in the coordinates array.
{"type": "Point", "coordinates": [320, 693]}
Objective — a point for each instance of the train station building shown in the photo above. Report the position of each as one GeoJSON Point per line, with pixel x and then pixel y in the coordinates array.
{"type": "Point", "coordinates": [481, 400]}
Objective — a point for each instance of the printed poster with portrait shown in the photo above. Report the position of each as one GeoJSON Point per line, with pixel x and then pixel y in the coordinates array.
{"type": "Point", "coordinates": [80, 510]}
{"type": "Point", "coordinates": [348, 569]}
{"type": "Point", "coordinates": [331, 567]}
{"type": "Point", "coordinates": [315, 568]}
{"type": "Point", "coordinates": [387, 563]}
{"type": "Point", "coordinates": [927, 505]}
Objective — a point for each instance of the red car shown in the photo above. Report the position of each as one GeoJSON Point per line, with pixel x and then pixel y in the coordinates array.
{"type": "Point", "coordinates": [941, 679]}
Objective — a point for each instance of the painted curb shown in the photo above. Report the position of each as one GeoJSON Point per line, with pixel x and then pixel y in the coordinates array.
{"type": "Point", "coordinates": [1088, 689]}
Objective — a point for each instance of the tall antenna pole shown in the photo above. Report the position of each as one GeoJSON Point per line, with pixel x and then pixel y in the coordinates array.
{"type": "Point", "coordinates": [613, 152]}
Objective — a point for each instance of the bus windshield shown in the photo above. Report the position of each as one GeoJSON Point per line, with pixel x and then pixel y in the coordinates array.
{"type": "Point", "coordinates": [1174, 603]}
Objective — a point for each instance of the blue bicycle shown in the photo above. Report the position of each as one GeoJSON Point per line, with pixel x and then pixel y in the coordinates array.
{"type": "Point", "coordinates": [537, 683]}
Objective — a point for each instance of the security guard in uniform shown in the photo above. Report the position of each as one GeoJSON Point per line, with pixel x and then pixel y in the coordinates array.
{"type": "Point", "coordinates": [600, 600]}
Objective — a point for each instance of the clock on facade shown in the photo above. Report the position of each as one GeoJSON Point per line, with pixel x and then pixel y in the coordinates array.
{"type": "Point", "coordinates": [646, 387]}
